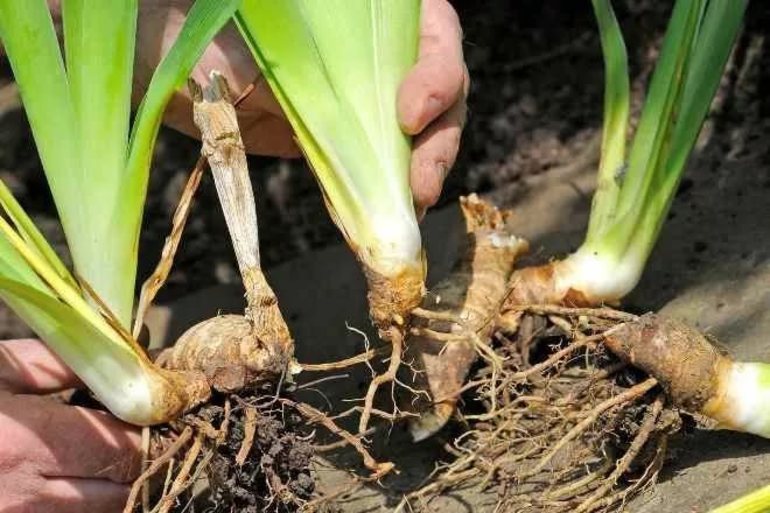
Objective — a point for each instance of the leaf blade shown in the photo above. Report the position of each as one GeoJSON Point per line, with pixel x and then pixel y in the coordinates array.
{"type": "Point", "coordinates": [99, 46]}
{"type": "Point", "coordinates": [204, 20]}
{"type": "Point", "coordinates": [615, 123]}
{"type": "Point", "coordinates": [31, 234]}
{"type": "Point", "coordinates": [121, 378]}
{"type": "Point", "coordinates": [340, 99]}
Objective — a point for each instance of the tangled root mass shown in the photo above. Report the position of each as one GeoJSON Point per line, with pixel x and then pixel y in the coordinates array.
{"type": "Point", "coordinates": [562, 425]}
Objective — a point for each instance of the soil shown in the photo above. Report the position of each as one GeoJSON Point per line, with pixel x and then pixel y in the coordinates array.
{"type": "Point", "coordinates": [535, 112]}
{"type": "Point", "coordinates": [275, 475]}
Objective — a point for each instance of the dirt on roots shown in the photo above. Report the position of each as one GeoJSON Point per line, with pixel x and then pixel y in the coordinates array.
{"type": "Point", "coordinates": [249, 453]}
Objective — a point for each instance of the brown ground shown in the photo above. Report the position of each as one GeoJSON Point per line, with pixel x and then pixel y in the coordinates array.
{"type": "Point", "coordinates": [535, 107]}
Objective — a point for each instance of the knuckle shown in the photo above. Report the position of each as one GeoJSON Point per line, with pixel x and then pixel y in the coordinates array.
{"type": "Point", "coordinates": [446, 92]}
{"type": "Point", "coordinates": [448, 138]}
{"type": "Point", "coordinates": [19, 449]}
{"type": "Point", "coordinates": [443, 166]}
{"type": "Point", "coordinates": [456, 72]}
{"type": "Point", "coordinates": [462, 121]}
{"type": "Point", "coordinates": [12, 459]}
{"type": "Point", "coordinates": [454, 19]}
{"type": "Point", "coordinates": [427, 197]}
{"type": "Point", "coordinates": [438, 101]}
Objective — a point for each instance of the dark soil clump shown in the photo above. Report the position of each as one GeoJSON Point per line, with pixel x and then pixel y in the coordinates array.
{"type": "Point", "coordinates": [249, 453]}
{"type": "Point", "coordinates": [275, 474]}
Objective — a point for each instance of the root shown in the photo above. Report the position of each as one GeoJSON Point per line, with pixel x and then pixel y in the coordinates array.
{"type": "Point", "coordinates": [553, 421]}
{"type": "Point", "coordinates": [585, 483]}
{"type": "Point", "coordinates": [541, 286]}
{"type": "Point", "coordinates": [146, 440]}
{"type": "Point", "coordinates": [535, 288]}
{"type": "Point", "coordinates": [391, 298]}
{"type": "Point", "coordinates": [343, 364]}
{"type": "Point", "coordinates": [345, 490]}
{"type": "Point", "coordinates": [155, 467]}
{"type": "Point", "coordinates": [625, 462]}
{"type": "Point", "coordinates": [344, 442]}
{"type": "Point", "coordinates": [629, 395]}
{"type": "Point", "coordinates": [553, 360]}
{"type": "Point", "coordinates": [160, 274]}
{"type": "Point", "coordinates": [254, 459]}
{"type": "Point", "coordinates": [374, 412]}
{"type": "Point", "coordinates": [229, 352]}
{"type": "Point", "coordinates": [567, 311]}
{"type": "Point", "coordinates": [233, 352]}
{"type": "Point", "coordinates": [180, 483]}
{"type": "Point", "coordinates": [697, 375]}
{"type": "Point", "coordinates": [250, 454]}
{"type": "Point", "coordinates": [315, 416]}
{"type": "Point", "coordinates": [396, 340]}
{"type": "Point", "coordinates": [158, 278]}
{"type": "Point", "coordinates": [249, 430]}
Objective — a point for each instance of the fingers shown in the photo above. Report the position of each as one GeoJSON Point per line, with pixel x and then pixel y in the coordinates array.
{"type": "Point", "coordinates": [431, 102]}
{"type": "Point", "coordinates": [56, 458]}
{"type": "Point", "coordinates": [434, 154]}
{"type": "Point", "coordinates": [28, 366]}
{"type": "Point", "coordinates": [45, 437]}
{"type": "Point", "coordinates": [40, 495]}
{"type": "Point", "coordinates": [66, 495]}
{"type": "Point", "coordinates": [439, 78]}
{"type": "Point", "coordinates": [267, 134]}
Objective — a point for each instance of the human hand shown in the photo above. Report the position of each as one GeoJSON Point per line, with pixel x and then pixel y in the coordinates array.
{"type": "Point", "coordinates": [56, 458]}
{"type": "Point", "coordinates": [431, 100]}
